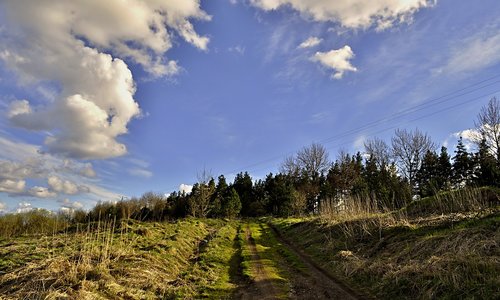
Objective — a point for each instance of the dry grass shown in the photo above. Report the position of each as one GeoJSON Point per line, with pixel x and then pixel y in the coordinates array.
{"type": "Point", "coordinates": [446, 246]}
{"type": "Point", "coordinates": [130, 261]}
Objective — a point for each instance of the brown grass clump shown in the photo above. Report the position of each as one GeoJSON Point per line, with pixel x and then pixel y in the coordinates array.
{"type": "Point", "coordinates": [446, 246]}
{"type": "Point", "coordinates": [130, 261]}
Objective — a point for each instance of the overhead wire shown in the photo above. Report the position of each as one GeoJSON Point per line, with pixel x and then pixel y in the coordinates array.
{"type": "Point", "coordinates": [397, 115]}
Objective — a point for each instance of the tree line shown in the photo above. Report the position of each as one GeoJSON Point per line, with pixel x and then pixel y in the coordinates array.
{"type": "Point", "coordinates": [390, 175]}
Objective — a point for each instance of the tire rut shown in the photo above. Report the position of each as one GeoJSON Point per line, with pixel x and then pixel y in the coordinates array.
{"type": "Point", "coordinates": [261, 286]}
{"type": "Point", "coordinates": [317, 283]}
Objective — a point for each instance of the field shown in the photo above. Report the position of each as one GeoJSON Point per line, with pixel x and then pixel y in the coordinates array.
{"type": "Point", "coordinates": [385, 256]}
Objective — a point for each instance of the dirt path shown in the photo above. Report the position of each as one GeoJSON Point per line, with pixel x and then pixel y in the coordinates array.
{"type": "Point", "coordinates": [261, 286]}
{"type": "Point", "coordinates": [309, 281]}
{"type": "Point", "coordinates": [314, 282]}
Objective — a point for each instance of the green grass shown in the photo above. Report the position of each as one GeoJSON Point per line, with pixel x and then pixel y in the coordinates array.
{"type": "Point", "coordinates": [134, 260]}
{"type": "Point", "coordinates": [422, 260]}
{"type": "Point", "coordinates": [450, 256]}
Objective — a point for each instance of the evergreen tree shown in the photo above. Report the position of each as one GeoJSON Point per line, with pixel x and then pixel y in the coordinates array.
{"type": "Point", "coordinates": [445, 170]}
{"type": "Point", "coordinates": [462, 165]}
{"type": "Point", "coordinates": [244, 187]}
{"type": "Point", "coordinates": [217, 197]}
{"type": "Point", "coordinates": [231, 205]}
{"type": "Point", "coordinates": [428, 175]}
{"type": "Point", "coordinates": [280, 191]}
{"type": "Point", "coordinates": [486, 171]}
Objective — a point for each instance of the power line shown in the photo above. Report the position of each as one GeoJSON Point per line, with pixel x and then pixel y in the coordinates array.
{"type": "Point", "coordinates": [427, 115]}
{"type": "Point", "coordinates": [405, 112]}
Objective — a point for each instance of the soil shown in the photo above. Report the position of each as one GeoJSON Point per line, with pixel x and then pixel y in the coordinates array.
{"type": "Point", "coordinates": [310, 282]}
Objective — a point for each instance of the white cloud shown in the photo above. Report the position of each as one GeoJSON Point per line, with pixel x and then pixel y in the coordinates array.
{"type": "Point", "coordinates": [17, 150]}
{"type": "Point", "coordinates": [310, 42]}
{"type": "Point", "coordinates": [78, 45]}
{"type": "Point", "coordinates": [23, 207]}
{"type": "Point", "coordinates": [88, 171]}
{"type": "Point", "coordinates": [21, 161]}
{"type": "Point", "coordinates": [16, 170]}
{"type": "Point", "coordinates": [359, 143]}
{"type": "Point", "coordinates": [18, 107]}
{"type": "Point", "coordinates": [3, 207]}
{"type": "Point", "coordinates": [185, 188]}
{"type": "Point", "coordinates": [140, 172]}
{"type": "Point", "coordinates": [237, 49]}
{"type": "Point", "coordinates": [338, 60]}
{"type": "Point", "coordinates": [12, 186]}
{"type": "Point", "coordinates": [468, 134]}
{"type": "Point", "coordinates": [41, 192]}
{"type": "Point", "coordinates": [58, 185]}
{"type": "Point", "coordinates": [70, 205]}
{"type": "Point", "coordinates": [473, 54]}
{"type": "Point", "coordinates": [352, 13]}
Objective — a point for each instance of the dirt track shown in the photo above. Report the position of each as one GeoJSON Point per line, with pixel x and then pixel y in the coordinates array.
{"type": "Point", "coordinates": [309, 282]}
{"type": "Point", "coordinates": [315, 282]}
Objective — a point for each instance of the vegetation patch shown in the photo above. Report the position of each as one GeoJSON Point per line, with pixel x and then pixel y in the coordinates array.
{"type": "Point", "coordinates": [434, 260]}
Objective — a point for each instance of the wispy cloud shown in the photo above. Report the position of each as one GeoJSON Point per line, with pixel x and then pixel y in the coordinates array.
{"type": "Point", "coordinates": [310, 42]}
{"type": "Point", "coordinates": [473, 54]}
{"type": "Point", "coordinates": [237, 49]}
{"type": "Point", "coordinates": [140, 173]}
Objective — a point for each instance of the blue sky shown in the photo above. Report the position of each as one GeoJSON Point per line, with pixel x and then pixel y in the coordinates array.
{"type": "Point", "coordinates": [101, 100]}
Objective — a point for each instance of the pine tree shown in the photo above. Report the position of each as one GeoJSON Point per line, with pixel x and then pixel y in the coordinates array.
{"type": "Point", "coordinates": [462, 165]}
{"type": "Point", "coordinates": [217, 197]}
{"type": "Point", "coordinates": [244, 187]}
{"type": "Point", "coordinates": [486, 171]}
{"type": "Point", "coordinates": [231, 205]}
{"type": "Point", "coordinates": [445, 170]}
{"type": "Point", "coordinates": [428, 175]}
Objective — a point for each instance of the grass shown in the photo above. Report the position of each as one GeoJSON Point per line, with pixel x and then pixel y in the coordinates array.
{"type": "Point", "coordinates": [448, 250]}
{"type": "Point", "coordinates": [269, 252]}
{"type": "Point", "coordinates": [133, 260]}
{"type": "Point", "coordinates": [445, 247]}
{"type": "Point", "coordinates": [209, 275]}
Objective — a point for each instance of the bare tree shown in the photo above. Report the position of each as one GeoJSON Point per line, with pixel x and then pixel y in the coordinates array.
{"type": "Point", "coordinates": [290, 166]}
{"type": "Point", "coordinates": [488, 126]}
{"type": "Point", "coordinates": [378, 150]}
{"type": "Point", "coordinates": [408, 149]}
{"type": "Point", "coordinates": [313, 160]}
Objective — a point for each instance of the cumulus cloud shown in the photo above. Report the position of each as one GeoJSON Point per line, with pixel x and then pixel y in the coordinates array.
{"type": "Point", "coordinates": [70, 205]}
{"type": "Point", "coordinates": [23, 207]}
{"type": "Point", "coordinates": [67, 187]}
{"type": "Point", "coordinates": [20, 162]}
{"type": "Point", "coordinates": [310, 42]}
{"type": "Point", "coordinates": [3, 207]}
{"type": "Point", "coordinates": [87, 170]}
{"type": "Point", "coordinates": [337, 60]}
{"type": "Point", "coordinates": [352, 13]}
{"type": "Point", "coordinates": [18, 107]}
{"type": "Point", "coordinates": [12, 186]}
{"type": "Point", "coordinates": [41, 192]}
{"type": "Point", "coordinates": [13, 170]}
{"type": "Point", "coordinates": [80, 46]}
{"type": "Point", "coordinates": [185, 188]}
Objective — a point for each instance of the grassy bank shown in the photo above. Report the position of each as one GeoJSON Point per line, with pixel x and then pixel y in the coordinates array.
{"type": "Point", "coordinates": [396, 256]}
{"type": "Point", "coordinates": [131, 260]}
